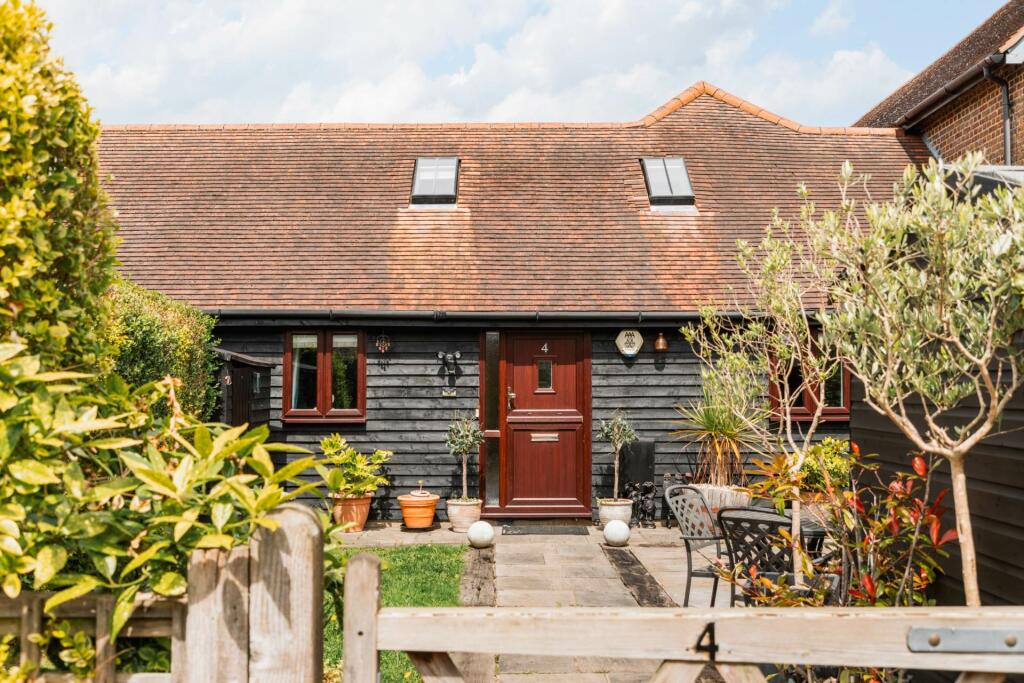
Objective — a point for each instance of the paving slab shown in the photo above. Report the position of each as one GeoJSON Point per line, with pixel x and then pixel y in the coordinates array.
{"type": "Point", "coordinates": [536, 598]}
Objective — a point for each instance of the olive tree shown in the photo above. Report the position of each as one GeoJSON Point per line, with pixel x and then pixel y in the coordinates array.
{"type": "Point", "coordinates": [771, 344]}
{"type": "Point", "coordinates": [926, 308]}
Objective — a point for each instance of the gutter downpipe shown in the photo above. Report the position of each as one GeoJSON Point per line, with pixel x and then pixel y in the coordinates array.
{"type": "Point", "coordinates": [949, 91]}
{"type": "Point", "coordinates": [1007, 113]}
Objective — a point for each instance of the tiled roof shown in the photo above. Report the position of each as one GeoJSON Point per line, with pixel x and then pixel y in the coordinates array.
{"type": "Point", "coordinates": [550, 217]}
{"type": "Point", "coordinates": [998, 33]}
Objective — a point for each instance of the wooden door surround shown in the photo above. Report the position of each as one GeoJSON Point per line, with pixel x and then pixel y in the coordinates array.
{"type": "Point", "coordinates": [544, 420]}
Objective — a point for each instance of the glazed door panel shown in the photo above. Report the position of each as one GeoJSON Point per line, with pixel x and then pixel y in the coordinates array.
{"type": "Point", "coordinates": [547, 425]}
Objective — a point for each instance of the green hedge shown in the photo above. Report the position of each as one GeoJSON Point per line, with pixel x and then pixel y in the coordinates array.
{"type": "Point", "coordinates": [56, 232]}
{"type": "Point", "coordinates": [155, 336]}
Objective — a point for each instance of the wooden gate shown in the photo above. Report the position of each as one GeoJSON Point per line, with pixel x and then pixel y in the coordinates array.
{"type": "Point", "coordinates": [986, 641]}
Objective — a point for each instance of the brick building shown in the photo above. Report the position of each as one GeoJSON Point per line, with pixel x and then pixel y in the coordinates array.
{"type": "Point", "coordinates": [969, 99]}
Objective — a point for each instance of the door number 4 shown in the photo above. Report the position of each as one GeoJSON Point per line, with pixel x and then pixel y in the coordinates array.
{"type": "Point", "coordinates": [544, 349]}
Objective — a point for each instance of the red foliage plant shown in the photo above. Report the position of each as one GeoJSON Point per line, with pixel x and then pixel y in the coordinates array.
{"type": "Point", "coordinates": [883, 537]}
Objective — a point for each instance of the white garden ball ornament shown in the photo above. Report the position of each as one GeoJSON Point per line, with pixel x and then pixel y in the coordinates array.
{"type": "Point", "coordinates": [480, 534]}
{"type": "Point", "coordinates": [616, 533]}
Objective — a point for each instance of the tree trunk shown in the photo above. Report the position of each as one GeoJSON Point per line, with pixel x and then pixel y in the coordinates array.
{"type": "Point", "coordinates": [968, 558]}
{"type": "Point", "coordinates": [465, 482]}
{"type": "Point", "coordinates": [798, 569]}
{"type": "Point", "coordinates": [615, 479]}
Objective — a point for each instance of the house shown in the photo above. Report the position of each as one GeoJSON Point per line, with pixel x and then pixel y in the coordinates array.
{"type": "Point", "coordinates": [535, 274]}
{"type": "Point", "coordinates": [970, 99]}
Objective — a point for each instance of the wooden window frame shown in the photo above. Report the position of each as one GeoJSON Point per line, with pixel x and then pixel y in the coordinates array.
{"type": "Point", "coordinates": [805, 413]}
{"type": "Point", "coordinates": [324, 413]}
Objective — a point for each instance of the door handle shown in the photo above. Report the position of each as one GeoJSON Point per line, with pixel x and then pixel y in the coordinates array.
{"type": "Point", "coordinates": [510, 397]}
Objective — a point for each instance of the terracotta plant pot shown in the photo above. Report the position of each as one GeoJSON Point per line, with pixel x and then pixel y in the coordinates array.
{"type": "Point", "coordinates": [418, 509]}
{"type": "Point", "coordinates": [462, 514]}
{"type": "Point", "coordinates": [352, 510]}
{"type": "Point", "coordinates": [614, 508]}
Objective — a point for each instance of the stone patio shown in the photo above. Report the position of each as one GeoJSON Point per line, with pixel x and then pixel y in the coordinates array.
{"type": "Point", "coordinates": [566, 571]}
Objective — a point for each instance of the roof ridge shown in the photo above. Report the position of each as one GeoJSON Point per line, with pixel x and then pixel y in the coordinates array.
{"type": "Point", "coordinates": [682, 99]}
{"type": "Point", "coordinates": [705, 88]}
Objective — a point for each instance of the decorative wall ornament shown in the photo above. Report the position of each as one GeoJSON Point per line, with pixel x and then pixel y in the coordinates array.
{"type": "Point", "coordinates": [661, 344]}
{"type": "Point", "coordinates": [629, 343]}
{"type": "Point", "coordinates": [450, 370]}
{"type": "Point", "coordinates": [383, 343]}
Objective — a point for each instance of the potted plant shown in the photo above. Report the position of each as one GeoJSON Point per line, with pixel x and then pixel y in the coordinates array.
{"type": "Point", "coordinates": [351, 480]}
{"type": "Point", "coordinates": [464, 436]}
{"type": "Point", "coordinates": [619, 432]}
{"type": "Point", "coordinates": [722, 434]}
{"type": "Point", "coordinates": [418, 508]}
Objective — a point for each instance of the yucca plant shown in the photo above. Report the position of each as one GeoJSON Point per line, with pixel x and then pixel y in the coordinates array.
{"type": "Point", "coordinates": [722, 435]}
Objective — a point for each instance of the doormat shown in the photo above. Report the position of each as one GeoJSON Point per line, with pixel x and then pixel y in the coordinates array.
{"type": "Point", "coordinates": [543, 530]}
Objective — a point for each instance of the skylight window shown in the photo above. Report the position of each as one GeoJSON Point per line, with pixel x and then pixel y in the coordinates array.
{"type": "Point", "coordinates": [435, 180]}
{"type": "Point", "coordinates": [668, 183]}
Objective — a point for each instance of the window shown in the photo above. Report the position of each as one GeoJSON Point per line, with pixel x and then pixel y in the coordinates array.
{"type": "Point", "coordinates": [837, 396]}
{"type": "Point", "coordinates": [668, 182]}
{"type": "Point", "coordinates": [324, 377]}
{"type": "Point", "coordinates": [435, 180]}
{"type": "Point", "coordinates": [544, 374]}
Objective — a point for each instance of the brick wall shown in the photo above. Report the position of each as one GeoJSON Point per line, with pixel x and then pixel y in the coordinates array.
{"type": "Point", "coordinates": [974, 121]}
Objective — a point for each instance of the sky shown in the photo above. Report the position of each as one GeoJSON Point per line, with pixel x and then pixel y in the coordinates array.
{"type": "Point", "coordinates": [818, 62]}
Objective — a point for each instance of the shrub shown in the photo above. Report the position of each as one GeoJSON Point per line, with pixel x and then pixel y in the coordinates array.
{"type": "Point", "coordinates": [353, 474]}
{"type": "Point", "coordinates": [837, 459]}
{"type": "Point", "coordinates": [97, 492]}
{"type": "Point", "coordinates": [155, 336]}
{"type": "Point", "coordinates": [57, 253]}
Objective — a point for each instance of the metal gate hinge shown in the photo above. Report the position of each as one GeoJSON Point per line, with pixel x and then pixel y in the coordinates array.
{"type": "Point", "coordinates": [965, 640]}
{"type": "Point", "coordinates": [711, 647]}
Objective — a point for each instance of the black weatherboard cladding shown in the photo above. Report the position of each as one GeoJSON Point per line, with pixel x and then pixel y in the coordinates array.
{"type": "Point", "coordinates": [407, 414]}
{"type": "Point", "coordinates": [995, 483]}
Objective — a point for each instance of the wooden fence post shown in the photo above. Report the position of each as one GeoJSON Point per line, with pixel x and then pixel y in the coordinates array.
{"type": "Point", "coordinates": [217, 625]}
{"type": "Point", "coordinates": [179, 650]}
{"type": "Point", "coordinates": [106, 661]}
{"type": "Point", "coordinates": [29, 623]}
{"type": "Point", "coordinates": [362, 602]}
{"type": "Point", "coordinates": [286, 599]}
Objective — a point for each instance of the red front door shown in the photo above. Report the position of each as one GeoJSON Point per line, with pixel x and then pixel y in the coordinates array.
{"type": "Point", "coordinates": [546, 427]}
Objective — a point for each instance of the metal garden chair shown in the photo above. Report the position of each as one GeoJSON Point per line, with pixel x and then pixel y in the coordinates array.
{"type": "Point", "coordinates": [698, 529]}
{"type": "Point", "coordinates": [752, 539]}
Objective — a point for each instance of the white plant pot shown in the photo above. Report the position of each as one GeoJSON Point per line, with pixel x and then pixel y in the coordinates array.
{"type": "Point", "coordinates": [620, 509]}
{"type": "Point", "coordinates": [719, 497]}
{"type": "Point", "coordinates": [462, 514]}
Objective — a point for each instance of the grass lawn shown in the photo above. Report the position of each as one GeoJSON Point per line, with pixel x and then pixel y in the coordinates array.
{"type": "Point", "coordinates": [412, 576]}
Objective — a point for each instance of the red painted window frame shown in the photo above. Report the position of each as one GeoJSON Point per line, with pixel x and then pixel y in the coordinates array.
{"type": "Point", "coordinates": [323, 413]}
{"type": "Point", "coordinates": [805, 413]}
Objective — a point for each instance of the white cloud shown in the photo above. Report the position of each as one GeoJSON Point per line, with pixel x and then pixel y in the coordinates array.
{"type": "Point", "coordinates": [835, 18]}
{"type": "Point", "coordinates": [391, 60]}
{"type": "Point", "coordinates": [823, 92]}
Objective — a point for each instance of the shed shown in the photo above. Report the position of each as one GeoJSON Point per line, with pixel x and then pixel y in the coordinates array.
{"type": "Point", "coordinates": [244, 388]}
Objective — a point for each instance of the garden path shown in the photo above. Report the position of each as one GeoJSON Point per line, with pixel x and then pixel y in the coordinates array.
{"type": "Point", "coordinates": [567, 571]}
